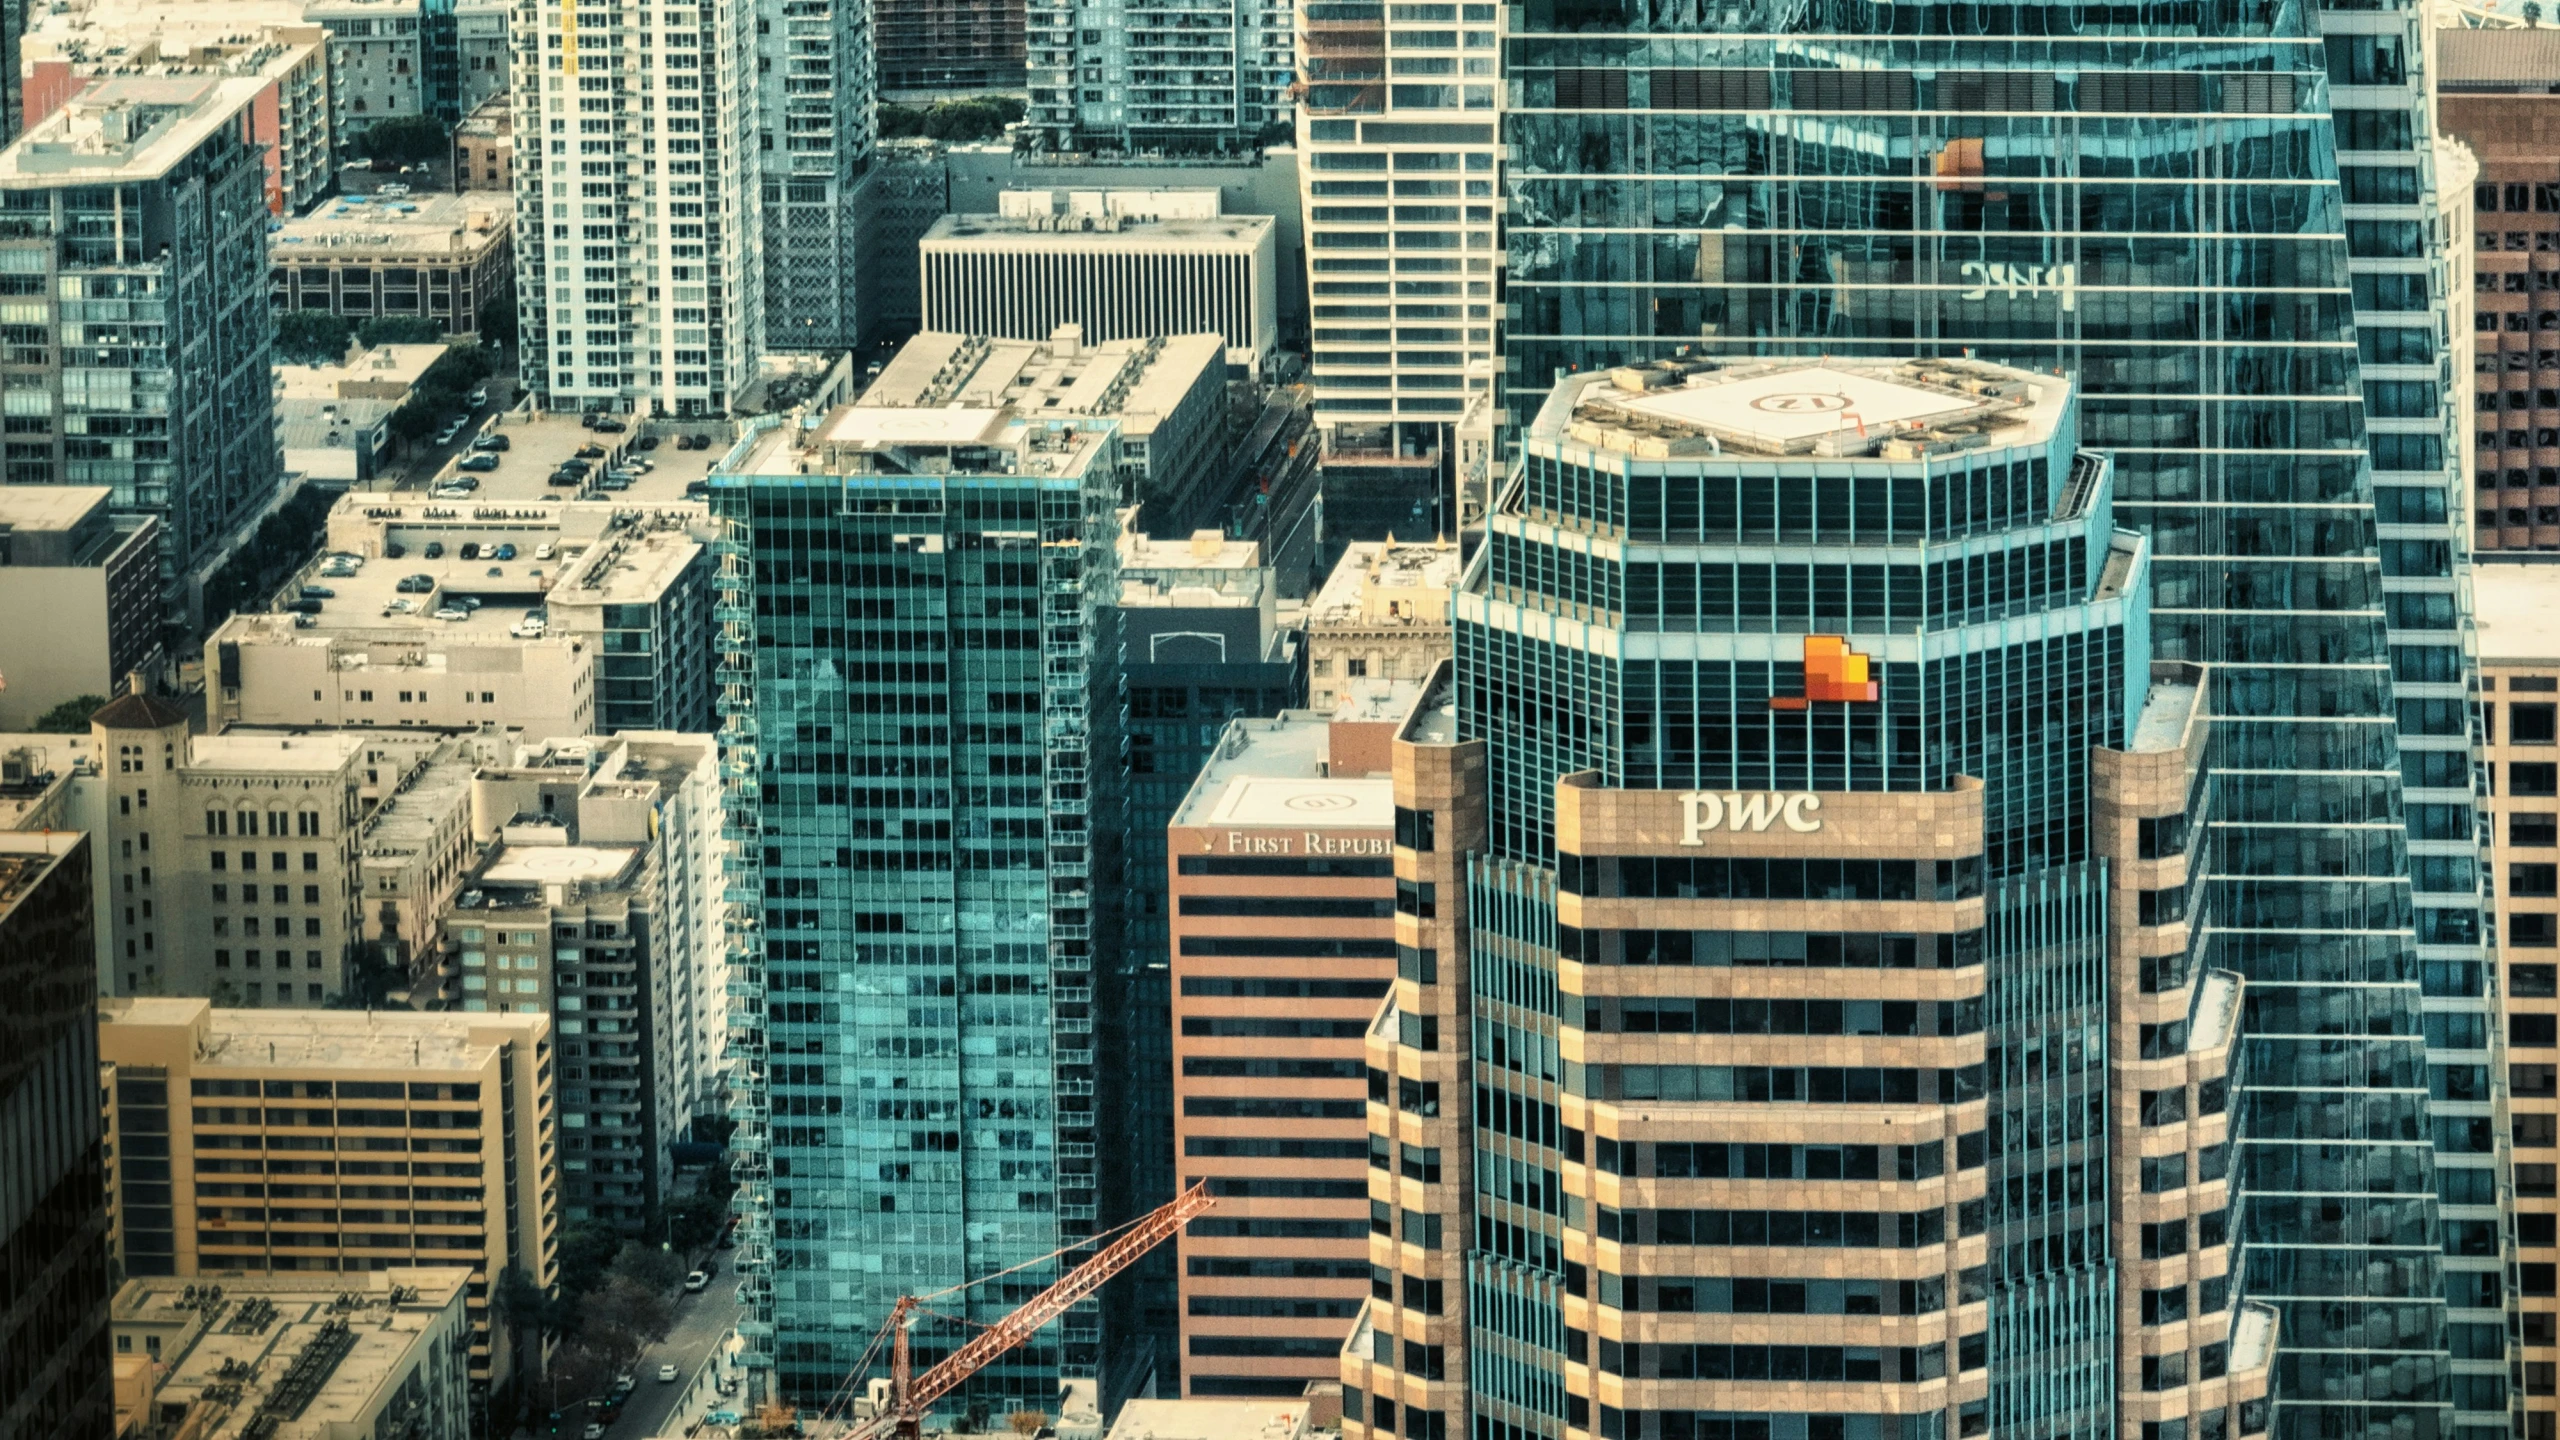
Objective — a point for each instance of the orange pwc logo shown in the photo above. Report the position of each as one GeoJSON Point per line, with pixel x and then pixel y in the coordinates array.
{"type": "Point", "coordinates": [1832, 671]}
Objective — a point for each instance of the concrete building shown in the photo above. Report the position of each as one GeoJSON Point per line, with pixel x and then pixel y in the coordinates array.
{"type": "Point", "coordinates": [484, 144]}
{"type": "Point", "coordinates": [300, 1357]}
{"type": "Point", "coordinates": [482, 52]}
{"type": "Point", "coordinates": [815, 93]}
{"type": "Point", "coordinates": [1382, 616]}
{"type": "Point", "coordinates": [399, 670]}
{"type": "Point", "coordinates": [1201, 645]}
{"type": "Point", "coordinates": [2517, 602]}
{"type": "Point", "coordinates": [68, 47]}
{"type": "Point", "coordinates": [1214, 77]}
{"type": "Point", "coordinates": [596, 900]}
{"type": "Point", "coordinates": [94, 577]}
{"type": "Point", "coordinates": [385, 372]}
{"type": "Point", "coordinates": [639, 239]}
{"type": "Point", "coordinates": [1169, 394]}
{"type": "Point", "coordinates": [2495, 94]}
{"type": "Point", "coordinates": [377, 62]}
{"type": "Point", "coordinates": [1283, 917]}
{"type": "Point", "coordinates": [941, 47]}
{"type": "Point", "coordinates": [390, 1139]}
{"type": "Point", "coordinates": [338, 440]}
{"type": "Point", "coordinates": [619, 593]}
{"type": "Point", "coordinates": [419, 846]}
{"type": "Point", "coordinates": [145, 185]}
{"type": "Point", "coordinates": [53, 1207]}
{"type": "Point", "coordinates": [1399, 184]}
{"type": "Point", "coordinates": [438, 258]}
{"type": "Point", "coordinates": [1122, 264]}
{"type": "Point", "coordinates": [895, 203]}
{"type": "Point", "coordinates": [980, 833]}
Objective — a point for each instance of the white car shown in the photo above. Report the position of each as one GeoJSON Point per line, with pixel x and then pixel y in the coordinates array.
{"type": "Point", "coordinates": [452, 612]}
{"type": "Point", "coordinates": [446, 435]}
{"type": "Point", "coordinates": [446, 492]}
{"type": "Point", "coordinates": [401, 605]}
{"type": "Point", "coordinates": [666, 1374]}
{"type": "Point", "coordinates": [526, 630]}
{"type": "Point", "coordinates": [545, 550]}
{"type": "Point", "coordinates": [694, 1282]}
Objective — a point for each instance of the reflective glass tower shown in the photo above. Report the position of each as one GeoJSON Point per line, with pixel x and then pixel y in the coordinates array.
{"type": "Point", "coordinates": [2219, 218]}
{"type": "Point", "coordinates": [919, 669]}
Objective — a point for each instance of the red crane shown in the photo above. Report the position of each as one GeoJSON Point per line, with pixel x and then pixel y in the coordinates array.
{"type": "Point", "coordinates": [911, 1396]}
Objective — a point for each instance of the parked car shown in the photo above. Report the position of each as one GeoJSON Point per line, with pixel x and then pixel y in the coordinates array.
{"type": "Point", "coordinates": [506, 551]}
{"type": "Point", "coordinates": [434, 550]}
{"type": "Point", "coordinates": [622, 473]}
{"type": "Point", "coordinates": [526, 629]}
{"type": "Point", "coordinates": [469, 602]}
{"type": "Point", "coordinates": [697, 487]}
{"type": "Point", "coordinates": [701, 441]}
{"type": "Point", "coordinates": [694, 1282]}
{"type": "Point", "coordinates": [647, 442]}
{"type": "Point", "coordinates": [492, 441]}
{"type": "Point", "coordinates": [484, 462]}
{"type": "Point", "coordinates": [590, 452]}
{"type": "Point", "coordinates": [478, 397]}
{"type": "Point", "coordinates": [607, 425]}
{"type": "Point", "coordinates": [394, 189]}
{"type": "Point", "coordinates": [613, 483]}
{"type": "Point", "coordinates": [452, 429]}
{"type": "Point", "coordinates": [415, 584]}
{"type": "Point", "coordinates": [566, 477]}
{"type": "Point", "coordinates": [391, 551]}
{"type": "Point", "coordinates": [306, 607]}
{"type": "Point", "coordinates": [450, 492]}
{"type": "Point", "coordinates": [452, 612]}
{"type": "Point", "coordinates": [578, 465]}
{"type": "Point", "coordinates": [401, 605]}
{"type": "Point", "coordinates": [545, 550]}
{"type": "Point", "coordinates": [470, 550]}
{"type": "Point", "coordinates": [318, 592]}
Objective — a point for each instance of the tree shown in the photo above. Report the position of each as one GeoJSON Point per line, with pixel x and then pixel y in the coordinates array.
{"type": "Point", "coordinates": [71, 717]}
{"type": "Point", "coordinates": [1027, 1423]}
{"type": "Point", "coordinates": [2532, 12]}
{"type": "Point", "coordinates": [398, 330]}
{"type": "Point", "coordinates": [586, 1250]}
{"type": "Point", "coordinates": [312, 337]}
{"type": "Point", "coordinates": [646, 1266]}
{"type": "Point", "coordinates": [498, 320]}
{"type": "Point", "coordinates": [405, 140]}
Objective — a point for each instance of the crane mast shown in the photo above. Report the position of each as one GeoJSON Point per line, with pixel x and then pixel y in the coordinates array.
{"type": "Point", "coordinates": [911, 1396]}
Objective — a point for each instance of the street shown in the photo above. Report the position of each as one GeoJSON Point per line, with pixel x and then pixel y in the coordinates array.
{"type": "Point", "coordinates": [701, 1321]}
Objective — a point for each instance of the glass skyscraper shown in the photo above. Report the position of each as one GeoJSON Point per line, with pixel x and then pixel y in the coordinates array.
{"type": "Point", "coordinates": [2219, 220]}
{"type": "Point", "coordinates": [919, 674]}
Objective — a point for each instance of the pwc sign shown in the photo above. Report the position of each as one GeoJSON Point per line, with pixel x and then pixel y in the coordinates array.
{"type": "Point", "coordinates": [1702, 811]}
{"type": "Point", "coordinates": [1832, 671]}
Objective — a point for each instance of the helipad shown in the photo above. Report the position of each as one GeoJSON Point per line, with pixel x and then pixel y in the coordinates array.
{"type": "Point", "coordinates": [1777, 409]}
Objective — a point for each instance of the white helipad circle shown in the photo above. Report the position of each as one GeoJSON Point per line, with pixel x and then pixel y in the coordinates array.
{"type": "Point", "coordinates": [1801, 402]}
{"type": "Point", "coordinates": [1322, 802]}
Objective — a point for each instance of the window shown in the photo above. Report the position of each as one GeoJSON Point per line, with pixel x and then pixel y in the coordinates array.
{"type": "Point", "coordinates": [2529, 724]}
{"type": "Point", "coordinates": [1416, 829]}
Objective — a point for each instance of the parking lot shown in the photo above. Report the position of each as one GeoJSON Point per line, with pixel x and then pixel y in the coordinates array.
{"type": "Point", "coordinates": [538, 445]}
{"type": "Point", "coordinates": [504, 589]}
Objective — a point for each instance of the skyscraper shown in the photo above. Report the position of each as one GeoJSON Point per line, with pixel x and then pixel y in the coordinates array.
{"type": "Point", "coordinates": [53, 1204]}
{"type": "Point", "coordinates": [637, 232]}
{"type": "Point", "coordinates": [2223, 223]}
{"type": "Point", "coordinates": [816, 88]}
{"type": "Point", "coordinates": [1205, 76]}
{"type": "Point", "coordinates": [919, 680]}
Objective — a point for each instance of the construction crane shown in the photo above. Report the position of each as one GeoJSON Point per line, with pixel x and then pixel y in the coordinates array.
{"type": "Point", "coordinates": [911, 1396]}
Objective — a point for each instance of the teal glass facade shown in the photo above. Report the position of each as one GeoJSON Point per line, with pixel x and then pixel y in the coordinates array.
{"type": "Point", "coordinates": [919, 669]}
{"type": "Point", "coordinates": [2220, 220]}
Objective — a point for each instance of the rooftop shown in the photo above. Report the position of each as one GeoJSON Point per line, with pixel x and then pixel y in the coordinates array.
{"type": "Point", "coordinates": [316, 752]}
{"type": "Point", "coordinates": [1210, 1420]}
{"type": "Point", "coordinates": [1206, 571]}
{"type": "Point", "coordinates": [26, 857]}
{"type": "Point", "coordinates": [1831, 409]}
{"type": "Point", "coordinates": [135, 710]}
{"type": "Point", "coordinates": [125, 127]}
{"type": "Point", "coordinates": [1103, 219]}
{"type": "Point", "coordinates": [558, 864]}
{"type": "Point", "coordinates": [2516, 610]}
{"type": "Point", "coordinates": [1139, 380]}
{"type": "Point", "coordinates": [49, 507]}
{"type": "Point", "coordinates": [408, 819]}
{"type": "Point", "coordinates": [1387, 583]}
{"type": "Point", "coordinates": [34, 771]}
{"type": "Point", "coordinates": [399, 365]}
{"type": "Point", "coordinates": [882, 440]}
{"type": "Point", "coordinates": [357, 227]}
{"type": "Point", "coordinates": [2509, 60]}
{"type": "Point", "coordinates": [324, 1039]}
{"type": "Point", "coordinates": [1434, 717]}
{"type": "Point", "coordinates": [315, 424]}
{"type": "Point", "coordinates": [291, 1357]}
{"type": "Point", "coordinates": [1273, 772]}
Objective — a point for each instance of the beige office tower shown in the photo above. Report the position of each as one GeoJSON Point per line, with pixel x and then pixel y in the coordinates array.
{"type": "Point", "coordinates": [2172, 1039]}
{"type": "Point", "coordinates": [250, 1142]}
{"type": "Point", "coordinates": [1420, 1156]}
{"type": "Point", "coordinates": [2518, 605]}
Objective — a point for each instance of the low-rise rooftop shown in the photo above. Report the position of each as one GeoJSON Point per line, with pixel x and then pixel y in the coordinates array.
{"type": "Point", "coordinates": [884, 440]}
{"type": "Point", "coordinates": [1274, 1419]}
{"type": "Point", "coordinates": [1101, 219]}
{"type": "Point", "coordinates": [322, 1039]}
{"type": "Point", "coordinates": [26, 857]}
{"type": "Point", "coordinates": [1277, 772]}
{"type": "Point", "coordinates": [1141, 381]}
{"type": "Point", "coordinates": [2516, 610]}
{"type": "Point", "coordinates": [1387, 583]}
{"type": "Point", "coordinates": [315, 752]}
{"type": "Point", "coordinates": [1207, 570]}
{"type": "Point", "coordinates": [289, 1357]}
{"type": "Point", "coordinates": [431, 228]}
